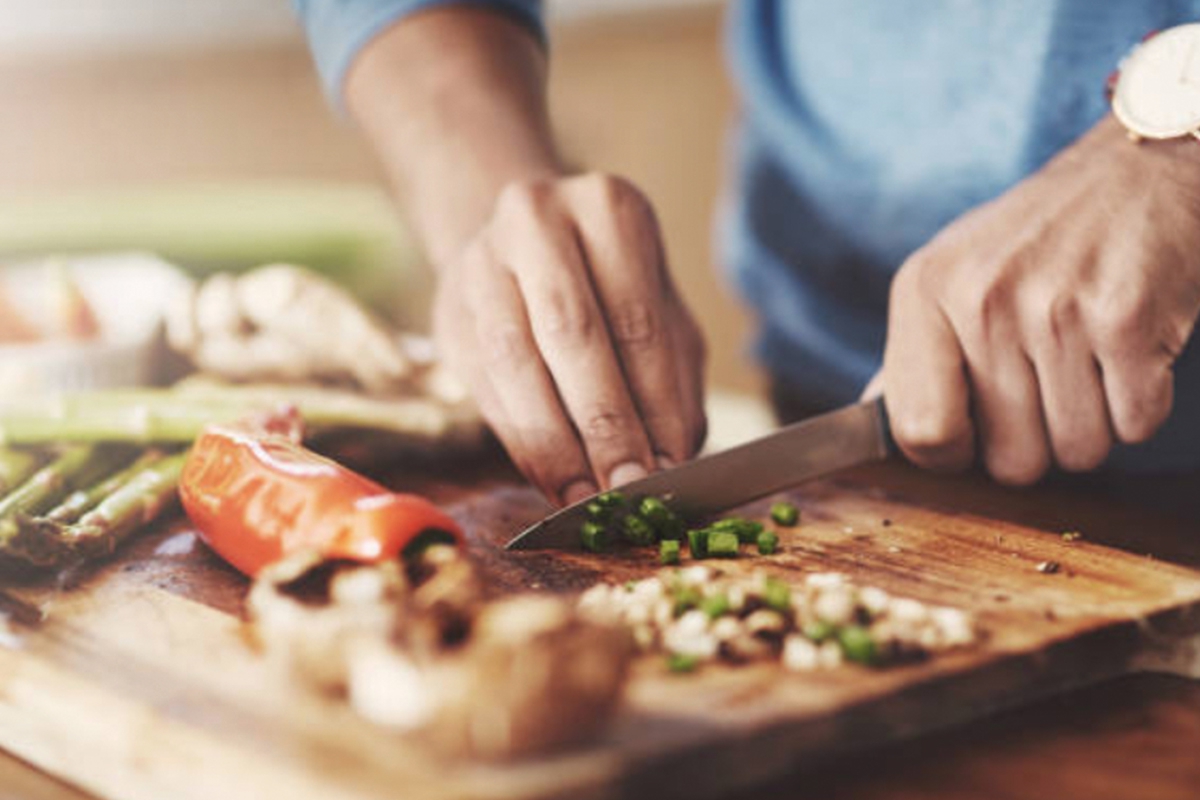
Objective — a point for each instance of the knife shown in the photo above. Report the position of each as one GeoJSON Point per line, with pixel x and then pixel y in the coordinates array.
{"type": "Point", "coordinates": [818, 446]}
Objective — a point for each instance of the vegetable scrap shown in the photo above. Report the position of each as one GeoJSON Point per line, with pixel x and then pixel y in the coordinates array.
{"type": "Point", "coordinates": [1071, 536]}
{"type": "Point", "coordinates": [699, 614]}
{"type": "Point", "coordinates": [414, 645]}
{"type": "Point", "coordinates": [646, 521]}
{"type": "Point", "coordinates": [1048, 567]}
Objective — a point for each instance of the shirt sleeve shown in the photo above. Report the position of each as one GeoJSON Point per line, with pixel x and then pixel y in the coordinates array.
{"type": "Point", "coordinates": [338, 29]}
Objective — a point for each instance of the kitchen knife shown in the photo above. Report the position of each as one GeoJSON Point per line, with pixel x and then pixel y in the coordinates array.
{"type": "Point", "coordinates": [844, 438]}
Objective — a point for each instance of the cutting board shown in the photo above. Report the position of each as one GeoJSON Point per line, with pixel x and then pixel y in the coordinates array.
{"type": "Point", "coordinates": [135, 681]}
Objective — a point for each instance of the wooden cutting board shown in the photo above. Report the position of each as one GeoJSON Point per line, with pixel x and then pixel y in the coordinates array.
{"type": "Point", "coordinates": [137, 684]}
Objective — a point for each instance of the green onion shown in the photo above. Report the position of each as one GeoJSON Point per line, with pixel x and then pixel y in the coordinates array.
{"type": "Point", "coordinates": [637, 530]}
{"type": "Point", "coordinates": [777, 594]}
{"type": "Point", "coordinates": [678, 662]}
{"type": "Point", "coordinates": [746, 530]}
{"type": "Point", "coordinates": [686, 598]}
{"type": "Point", "coordinates": [818, 630]}
{"type": "Point", "coordinates": [666, 523]}
{"type": "Point", "coordinates": [768, 543]}
{"type": "Point", "coordinates": [597, 511]}
{"type": "Point", "coordinates": [668, 551]}
{"type": "Point", "coordinates": [785, 514]}
{"type": "Point", "coordinates": [610, 499]}
{"type": "Point", "coordinates": [698, 542]}
{"type": "Point", "coordinates": [715, 606]}
{"type": "Point", "coordinates": [594, 537]}
{"type": "Point", "coordinates": [630, 585]}
{"type": "Point", "coordinates": [857, 644]}
{"type": "Point", "coordinates": [722, 544]}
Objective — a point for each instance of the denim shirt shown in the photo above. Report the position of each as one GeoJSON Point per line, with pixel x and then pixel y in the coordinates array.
{"type": "Point", "coordinates": [866, 127]}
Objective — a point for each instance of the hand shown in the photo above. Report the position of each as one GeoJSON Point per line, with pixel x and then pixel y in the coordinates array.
{"type": "Point", "coordinates": [563, 320]}
{"type": "Point", "coordinates": [1043, 326]}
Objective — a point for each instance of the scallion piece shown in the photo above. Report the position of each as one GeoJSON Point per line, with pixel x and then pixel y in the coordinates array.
{"type": "Point", "coordinates": [746, 530]}
{"type": "Point", "coordinates": [686, 598]}
{"type": "Point", "coordinates": [668, 551]}
{"type": "Point", "coordinates": [857, 644]}
{"type": "Point", "coordinates": [637, 530]}
{"type": "Point", "coordinates": [698, 542]}
{"type": "Point", "coordinates": [768, 543]}
{"type": "Point", "coordinates": [723, 544]}
{"type": "Point", "coordinates": [610, 499]}
{"type": "Point", "coordinates": [785, 514]}
{"type": "Point", "coordinates": [715, 606]}
{"type": "Point", "coordinates": [594, 537]}
{"type": "Point", "coordinates": [777, 594]}
{"type": "Point", "coordinates": [678, 662]}
{"type": "Point", "coordinates": [666, 523]}
{"type": "Point", "coordinates": [818, 630]}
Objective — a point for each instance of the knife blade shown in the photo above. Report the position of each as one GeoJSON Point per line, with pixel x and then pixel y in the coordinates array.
{"type": "Point", "coordinates": [827, 443]}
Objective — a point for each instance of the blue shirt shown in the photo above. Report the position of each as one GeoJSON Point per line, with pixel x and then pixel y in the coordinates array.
{"type": "Point", "coordinates": [867, 126]}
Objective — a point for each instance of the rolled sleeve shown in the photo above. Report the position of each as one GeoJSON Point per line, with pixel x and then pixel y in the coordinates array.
{"type": "Point", "coordinates": [338, 29]}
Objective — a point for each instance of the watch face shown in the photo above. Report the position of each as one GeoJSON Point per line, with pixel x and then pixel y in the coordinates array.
{"type": "Point", "coordinates": [1158, 91]}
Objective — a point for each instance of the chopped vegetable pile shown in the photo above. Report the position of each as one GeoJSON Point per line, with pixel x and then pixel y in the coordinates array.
{"type": "Point", "coordinates": [649, 520]}
{"type": "Point", "coordinates": [699, 614]}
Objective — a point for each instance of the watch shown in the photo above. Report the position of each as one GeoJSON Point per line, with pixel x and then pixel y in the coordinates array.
{"type": "Point", "coordinates": [1156, 89]}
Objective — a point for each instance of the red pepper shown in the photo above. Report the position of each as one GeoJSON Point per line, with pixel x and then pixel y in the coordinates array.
{"type": "Point", "coordinates": [256, 496]}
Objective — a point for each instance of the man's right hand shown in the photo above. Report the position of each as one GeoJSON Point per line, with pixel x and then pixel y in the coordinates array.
{"type": "Point", "coordinates": [562, 318]}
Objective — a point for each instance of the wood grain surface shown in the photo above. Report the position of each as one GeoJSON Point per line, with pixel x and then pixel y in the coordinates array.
{"type": "Point", "coordinates": [138, 684]}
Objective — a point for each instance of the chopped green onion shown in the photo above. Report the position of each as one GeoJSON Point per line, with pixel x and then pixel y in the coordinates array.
{"type": "Point", "coordinates": [698, 542]}
{"type": "Point", "coordinates": [818, 630]}
{"type": "Point", "coordinates": [785, 514]}
{"type": "Point", "coordinates": [594, 537]}
{"type": "Point", "coordinates": [597, 511]}
{"type": "Point", "coordinates": [630, 585]}
{"type": "Point", "coordinates": [857, 644]}
{"type": "Point", "coordinates": [716, 605]}
{"type": "Point", "coordinates": [666, 523]}
{"type": "Point", "coordinates": [610, 499]}
{"type": "Point", "coordinates": [637, 530]}
{"type": "Point", "coordinates": [686, 598]}
{"type": "Point", "coordinates": [746, 530]}
{"type": "Point", "coordinates": [678, 662]}
{"type": "Point", "coordinates": [668, 551]}
{"type": "Point", "coordinates": [723, 544]}
{"type": "Point", "coordinates": [777, 594]}
{"type": "Point", "coordinates": [768, 543]}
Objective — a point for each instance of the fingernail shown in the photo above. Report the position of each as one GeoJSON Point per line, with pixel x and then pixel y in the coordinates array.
{"type": "Point", "coordinates": [577, 491]}
{"type": "Point", "coordinates": [665, 462]}
{"type": "Point", "coordinates": [627, 473]}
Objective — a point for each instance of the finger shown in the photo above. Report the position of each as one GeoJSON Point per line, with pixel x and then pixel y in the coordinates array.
{"type": "Point", "coordinates": [1007, 405]}
{"type": "Point", "coordinates": [621, 244]}
{"type": "Point", "coordinates": [571, 335]}
{"type": "Point", "coordinates": [510, 377]}
{"type": "Point", "coordinates": [1072, 391]}
{"type": "Point", "coordinates": [874, 387]}
{"type": "Point", "coordinates": [689, 369]}
{"type": "Point", "coordinates": [1140, 395]}
{"type": "Point", "coordinates": [925, 383]}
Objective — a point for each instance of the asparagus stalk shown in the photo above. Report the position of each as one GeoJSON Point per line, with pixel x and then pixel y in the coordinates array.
{"type": "Point", "coordinates": [146, 489]}
{"type": "Point", "coordinates": [139, 501]}
{"type": "Point", "coordinates": [147, 416]}
{"type": "Point", "coordinates": [78, 466]}
{"type": "Point", "coordinates": [83, 500]}
{"type": "Point", "coordinates": [16, 467]}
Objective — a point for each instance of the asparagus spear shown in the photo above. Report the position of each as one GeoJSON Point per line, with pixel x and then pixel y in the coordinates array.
{"type": "Point", "coordinates": [83, 500]}
{"type": "Point", "coordinates": [166, 415]}
{"type": "Point", "coordinates": [78, 466]}
{"type": "Point", "coordinates": [16, 466]}
{"type": "Point", "coordinates": [147, 488]}
{"type": "Point", "coordinates": [143, 497]}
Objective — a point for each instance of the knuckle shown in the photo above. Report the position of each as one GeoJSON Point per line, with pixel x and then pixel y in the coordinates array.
{"type": "Point", "coordinates": [566, 318]}
{"type": "Point", "coordinates": [670, 435]}
{"type": "Point", "coordinates": [987, 308]}
{"type": "Point", "coordinates": [604, 426]}
{"type": "Point", "coordinates": [1057, 314]}
{"type": "Point", "coordinates": [525, 199]}
{"type": "Point", "coordinates": [504, 343]}
{"type": "Point", "coordinates": [636, 324]}
{"type": "Point", "coordinates": [927, 434]}
{"type": "Point", "coordinates": [1122, 323]}
{"type": "Point", "coordinates": [1144, 410]}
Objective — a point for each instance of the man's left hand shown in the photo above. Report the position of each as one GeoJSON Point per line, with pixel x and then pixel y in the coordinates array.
{"type": "Point", "coordinates": [1043, 326]}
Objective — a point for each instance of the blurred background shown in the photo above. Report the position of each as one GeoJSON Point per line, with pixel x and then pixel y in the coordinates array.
{"type": "Point", "coordinates": [196, 129]}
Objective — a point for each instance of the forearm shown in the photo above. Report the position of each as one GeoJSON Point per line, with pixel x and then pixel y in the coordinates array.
{"type": "Point", "coordinates": [454, 101]}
